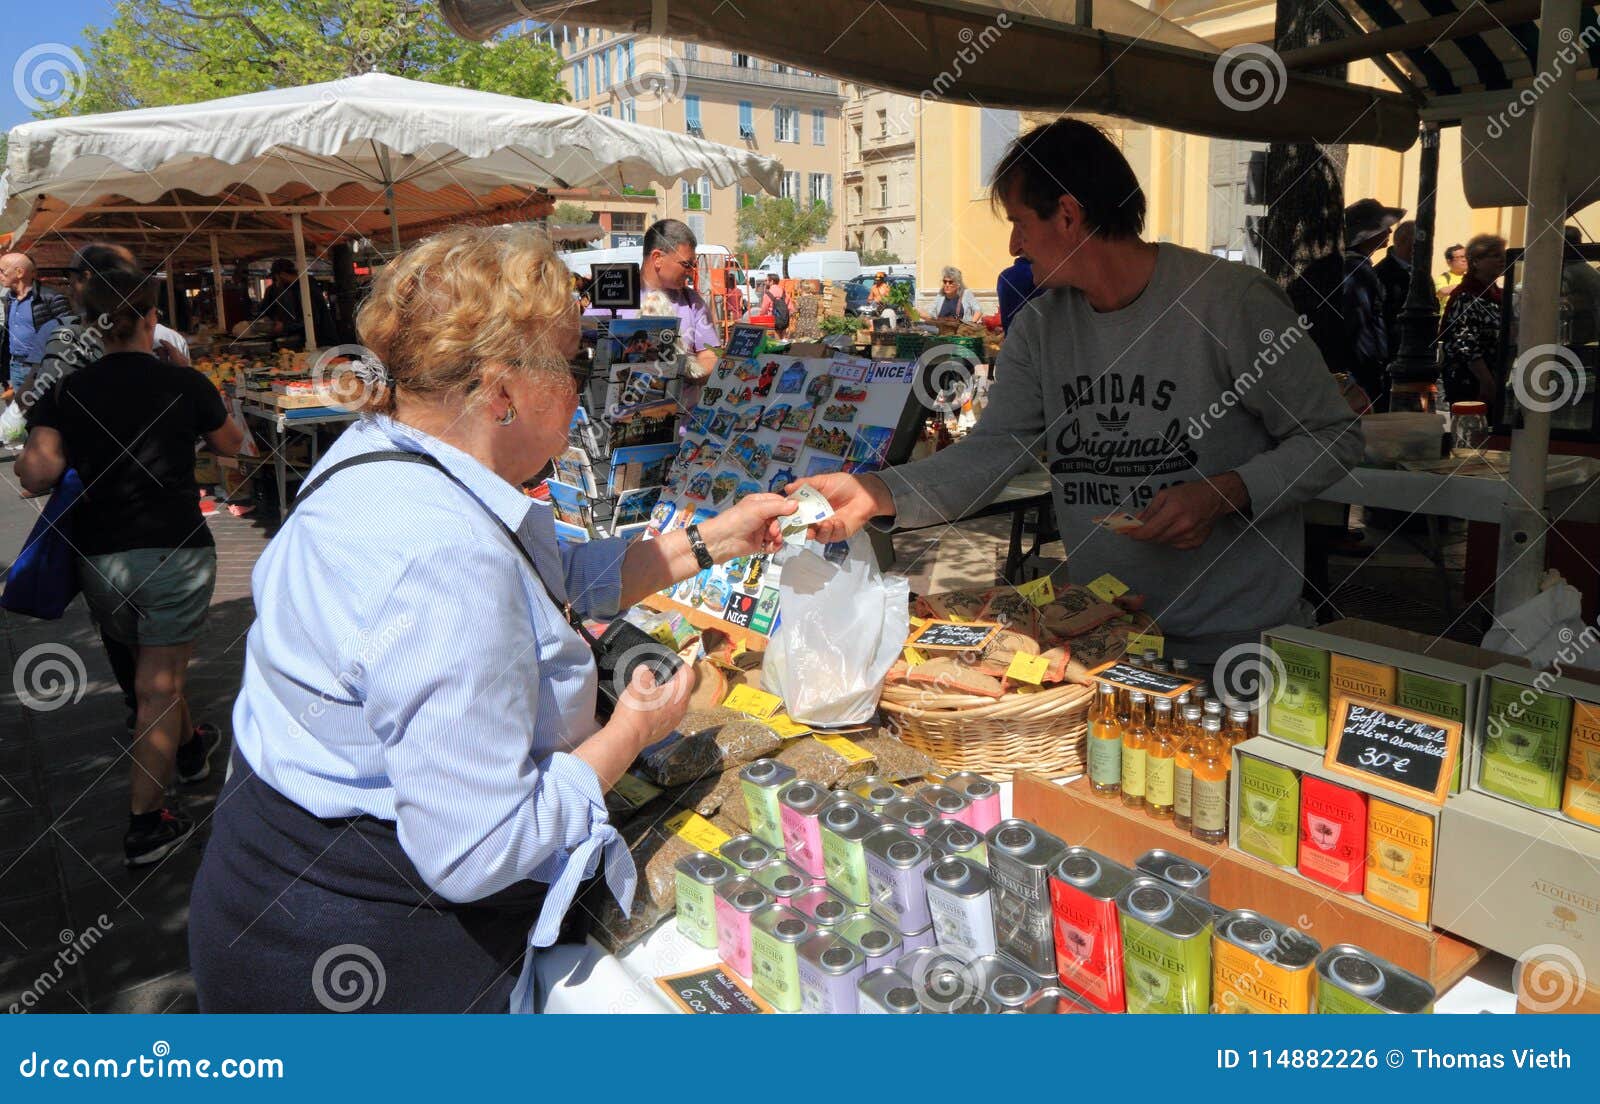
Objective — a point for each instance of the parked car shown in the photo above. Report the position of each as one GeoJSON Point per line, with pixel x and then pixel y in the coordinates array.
{"type": "Point", "coordinates": [857, 290]}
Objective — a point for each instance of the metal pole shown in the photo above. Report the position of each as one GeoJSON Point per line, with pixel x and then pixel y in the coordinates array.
{"type": "Point", "coordinates": [1416, 360]}
{"type": "Point", "coordinates": [305, 282]}
{"type": "Point", "coordinates": [216, 282]}
{"type": "Point", "coordinates": [394, 218]}
{"type": "Point", "coordinates": [1524, 526]}
{"type": "Point", "coordinates": [172, 296]}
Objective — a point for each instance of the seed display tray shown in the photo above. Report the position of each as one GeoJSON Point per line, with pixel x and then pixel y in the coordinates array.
{"type": "Point", "coordinates": [1079, 816]}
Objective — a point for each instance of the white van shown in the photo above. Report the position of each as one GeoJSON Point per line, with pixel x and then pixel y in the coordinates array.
{"type": "Point", "coordinates": [891, 270]}
{"type": "Point", "coordinates": [579, 261]}
{"type": "Point", "coordinates": [827, 265]}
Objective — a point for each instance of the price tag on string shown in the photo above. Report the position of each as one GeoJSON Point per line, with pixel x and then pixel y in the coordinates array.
{"type": "Point", "coordinates": [1026, 668]}
{"type": "Point", "coordinates": [1140, 643]}
{"type": "Point", "coordinates": [752, 702]}
{"type": "Point", "coordinates": [853, 752]}
{"type": "Point", "coordinates": [1041, 592]}
{"type": "Point", "coordinates": [697, 831]}
{"type": "Point", "coordinates": [1108, 588]}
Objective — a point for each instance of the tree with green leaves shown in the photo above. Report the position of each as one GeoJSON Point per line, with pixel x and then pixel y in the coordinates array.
{"type": "Point", "coordinates": [771, 225]}
{"type": "Point", "coordinates": [871, 257]}
{"type": "Point", "coordinates": [160, 52]}
{"type": "Point", "coordinates": [571, 214]}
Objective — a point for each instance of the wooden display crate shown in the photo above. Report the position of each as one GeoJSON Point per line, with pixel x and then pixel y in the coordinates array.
{"type": "Point", "coordinates": [1076, 814]}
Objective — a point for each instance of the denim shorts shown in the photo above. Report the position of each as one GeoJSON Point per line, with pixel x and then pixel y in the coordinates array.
{"type": "Point", "coordinates": [153, 596]}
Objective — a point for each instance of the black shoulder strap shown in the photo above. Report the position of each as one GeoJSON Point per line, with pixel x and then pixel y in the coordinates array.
{"type": "Point", "coordinates": [423, 458]}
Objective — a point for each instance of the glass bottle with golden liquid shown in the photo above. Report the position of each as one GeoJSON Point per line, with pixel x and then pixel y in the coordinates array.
{"type": "Point", "coordinates": [1135, 743]}
{"type": "Point", "coordinates": [1214, 708]}
{"type": "Point", "coordinates": [1105, 743]}
{"type": "Point", "coordinates": [1238, 728]}
{"type": "Point", "coordinates": [1210, 798]}
{"type": "Point", "coordinates": [1159, 781]}
{"type": "Point", "coordinates": [1183, 768]}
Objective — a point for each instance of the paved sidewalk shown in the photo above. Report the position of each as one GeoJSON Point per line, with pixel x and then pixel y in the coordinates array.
{"type": "Point", "coordinates": [79, 931]}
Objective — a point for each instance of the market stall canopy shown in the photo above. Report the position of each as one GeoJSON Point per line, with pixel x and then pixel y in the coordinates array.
{"type": "Point", "coordinates": [337, 148]}
{"type": "Point", "coordinates": [1110, 57]}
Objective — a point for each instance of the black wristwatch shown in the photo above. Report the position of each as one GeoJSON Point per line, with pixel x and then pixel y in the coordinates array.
{"type": "Point", "coordinates": [697, 545]}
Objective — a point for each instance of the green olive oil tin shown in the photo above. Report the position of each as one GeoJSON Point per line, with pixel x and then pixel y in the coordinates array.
{"type": "Point", "coordinates": [845, 828]}
{"type": "Point", "coordinates": [1524, 753]}
{"type": "Point", "coordinates": [1166, 948]}
{"type": "Point", "coordinates": [762, 781]}
{"type": "Point", "coordinates": [1298, 711]}
{"type": "Point", "coordinates": [1437, 697]}
{"type": "Point", "coordinates": [698, 876]}
{"type": "Point", "coordinates": [1269, 811]}
{"type": "Point", "coordinates": [1353, 980]}
{"type": "Point", "coordinates": [776, 933]}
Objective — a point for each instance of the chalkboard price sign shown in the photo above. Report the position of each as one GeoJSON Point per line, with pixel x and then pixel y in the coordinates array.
{"type": "Point", "coordinates": [745, 341]}
{"type": "Point", "coordinates": [615, 286]}
{"type": "Point", "coordinates": [954, 636]}
{"type": "Point", "coordinates": [1137, 678]}
{"type": "Point", "coordinates": [1399, 749]}
{"type": "Point", "coordinates": [712, 991]}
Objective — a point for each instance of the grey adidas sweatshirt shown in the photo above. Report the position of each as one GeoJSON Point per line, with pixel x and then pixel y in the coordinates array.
{"type": "Point", "coordinates": [1209, 370]}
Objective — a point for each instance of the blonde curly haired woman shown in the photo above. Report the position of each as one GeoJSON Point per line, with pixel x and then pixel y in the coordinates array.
{"type": "Point", "coordinates": [418, 786]}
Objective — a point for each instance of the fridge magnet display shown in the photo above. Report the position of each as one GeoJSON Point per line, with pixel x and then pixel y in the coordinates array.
{"type": "Point", "coordinates": [871, 445]}
{"type": "Point", "coordinates": [792, 379]}
{"type": "Point", "coordinates": [835, 442]}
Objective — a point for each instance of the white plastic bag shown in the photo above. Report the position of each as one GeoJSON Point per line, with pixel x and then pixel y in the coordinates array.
{"type": "Point", "coordinates": [1545, 629]}
{"type": "Point", "coordinates": [842, 627]}
{"type": "Point", "coordinates": [13, 426]}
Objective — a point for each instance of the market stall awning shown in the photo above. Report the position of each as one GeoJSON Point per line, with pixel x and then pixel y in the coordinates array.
{"type": "Point", "coordinates": [1032, 55]}
{"type": "Point", "coordinates": [447, 153]}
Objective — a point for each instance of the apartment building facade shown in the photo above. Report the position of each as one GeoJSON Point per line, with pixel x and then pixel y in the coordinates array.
{"type": "Point", "coordinates": [882, 193]}
{"type": "Point", "coordinates": [731, 98]}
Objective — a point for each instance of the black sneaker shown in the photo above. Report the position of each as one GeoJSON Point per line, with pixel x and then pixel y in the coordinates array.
{"type": "Point", "coordinates": [145, 845]}
{"type": "Point", "coordinates": [194, 757]}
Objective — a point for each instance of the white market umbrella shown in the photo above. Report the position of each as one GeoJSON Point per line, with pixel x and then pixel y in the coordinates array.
{"type": "Point", "coordinates": [339, 154]}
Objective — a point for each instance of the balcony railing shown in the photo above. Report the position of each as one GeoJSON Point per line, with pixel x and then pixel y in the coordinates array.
{"type": "Point", "coordinates": [766, 78]}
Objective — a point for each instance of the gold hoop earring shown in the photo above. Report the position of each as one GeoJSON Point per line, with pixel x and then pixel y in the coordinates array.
{"type": "Point", "coordinates": [509, 416]}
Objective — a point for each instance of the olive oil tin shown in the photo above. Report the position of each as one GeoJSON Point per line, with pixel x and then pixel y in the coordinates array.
{"type": "Point", "coordinates": [738, 899]}
{"type": "Point", "coordinates": [1260, 965]}
{"type": "Point", "coordinates": [1007, 985]}
{"type": "Point", "coordinates": [896, 861]}
{"type": "Point", "coordinates": [1021, 856]}
{"type": "Point", "coordinates": [1524, 754]}
{"type": "Point", "coordinates": [876, 791]}
{"type": "Point", "coordinates": [946, 803]}
{"type": "Point", "coordinates": [914, 816]}
{"type": "Point", "coordinates": [1166, 948]}
{"type": "Point", "coordinates": [830, 968]}
{"type": "Point", "coordinates": [1083, 897]}
{"type": "Point", "coordinates": [1298, 709]}
{"type": "Point", "coordinates": [887, 990]}
{"type": "Point", "coordinates": [800, 807]}
{"type": "Point", "coordinates": [1351, 980]}
{"type": "Point", "coordinates": [941, 977]}
{"type": "Point", "coordinates": [748, 853]}
{"type": "Point", "coordinates": [1058, 1001]}
{"type": "Point", "coordinates": [951, 837]}
{"type": "Point", "coordinates": [762, 781]}
{"type": "Point", "coordinates": [1399, 860]}
{"type": "Point", "coordinates": [826, 909]}
{"type": "Point", "coordinates": [983, 798]}
{"type": "Point", "coordinates": [698, 876]}
{"type": "Point", "coordinates": [1581, 798]}
{"type": "Point", "coordinates": [1188, 875]}
{"type": "Point", "coordinates": [1269, 811]}
{"type": "Point", "coordinates": [783, 880]}
{"type": "Point", "coordinates": [914, 941]}
{"type": "Point", "coordinates": [776, 933]}
{"type": "Point", "coordinates": [877, 941]}
{"type": "Point", "coordinates": [844, 855]}
{"type": "Point", "coordinates": [958, 898]}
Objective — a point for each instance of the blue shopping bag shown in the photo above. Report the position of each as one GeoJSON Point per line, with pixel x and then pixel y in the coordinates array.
{"type": "Point", "coordinates": [44, 578]}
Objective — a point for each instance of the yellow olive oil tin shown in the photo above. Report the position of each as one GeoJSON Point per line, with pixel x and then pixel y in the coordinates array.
{"type": "Point", "coordinates": [1259, 965]}
{"type": "Point", "coordinates": [1399, 860]}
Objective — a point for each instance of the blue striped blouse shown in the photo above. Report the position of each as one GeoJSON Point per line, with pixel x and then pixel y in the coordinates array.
{"type": "Point", "coordinates": [405, 663]}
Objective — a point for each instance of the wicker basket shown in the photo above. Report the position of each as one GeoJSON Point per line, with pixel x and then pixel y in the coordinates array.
{"type": "Point", "coordinates": [1041, 732]}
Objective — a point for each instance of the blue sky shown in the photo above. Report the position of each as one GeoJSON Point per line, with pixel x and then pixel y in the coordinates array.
{"type": "Point", "coordinates": [36, 23]}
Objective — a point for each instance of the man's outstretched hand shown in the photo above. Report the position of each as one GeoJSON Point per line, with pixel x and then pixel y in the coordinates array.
{"type": "Point", "coordinates": [856, 500]}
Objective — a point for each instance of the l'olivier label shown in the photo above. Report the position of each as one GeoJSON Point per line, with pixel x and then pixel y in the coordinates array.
{"type": "Point", "coordinates": [1167, 963]}
{"type": "Point", "coordinates": [1261, 966]}
{"type": "Point", "coordinates": [1083, 893]}
{"type": "Point", "coordinates": [1399, 859]}
{"type": "Point", "coordinates": [1581, 800]}
{"type": "Point", "coordinates": [1437, 697]}
{"type": "Point", "coordinates": [1298, 710]}
{"type": "Point", "coordinates": [1360, 678]}
{"type": "Point", "coordinates": [1333, 834]}
{"type": "Point", "coordinates": [1269, 811]}
{"type": "Point", "coordinates": [1525, 744]}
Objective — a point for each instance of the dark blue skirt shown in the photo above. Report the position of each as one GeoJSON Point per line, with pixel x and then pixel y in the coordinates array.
{"type": "Point", "coordinates": [293, 913]}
